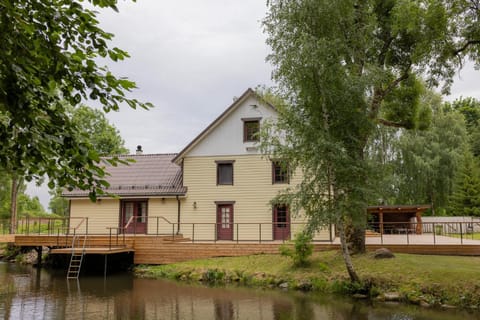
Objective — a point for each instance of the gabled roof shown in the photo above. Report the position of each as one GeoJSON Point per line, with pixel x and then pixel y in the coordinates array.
{"type": "Point", "coordinates": [238, 102]}
{"type": "Point", "coordinates": [149, 175]}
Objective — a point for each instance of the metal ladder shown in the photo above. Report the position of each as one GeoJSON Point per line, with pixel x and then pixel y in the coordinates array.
{"type": "Point", "coordinates": [76, 258]}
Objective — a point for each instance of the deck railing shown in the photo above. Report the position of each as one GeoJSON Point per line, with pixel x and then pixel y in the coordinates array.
{"type": "Point", "coordinates": [386, 233]}
{"type": "Point", "coordinates": [426, 232]}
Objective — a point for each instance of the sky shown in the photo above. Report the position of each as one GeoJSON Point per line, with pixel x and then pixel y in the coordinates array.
{"type": "Point", "coordinates": [190, 59]}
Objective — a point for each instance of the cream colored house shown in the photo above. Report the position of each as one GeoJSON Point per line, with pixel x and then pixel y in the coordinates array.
{"type": "Point", "coordinates": [218, 187]}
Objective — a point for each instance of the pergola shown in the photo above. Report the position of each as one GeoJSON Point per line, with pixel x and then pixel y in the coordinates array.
{"type": "Point", "coordinates": [397, 218]}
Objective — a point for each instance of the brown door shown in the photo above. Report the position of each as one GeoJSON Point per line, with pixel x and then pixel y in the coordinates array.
{"type": "Point", "coordinates": [225, 222]}
{"type": "Point", "coordinates": [137, 210]}
{"type": "Point", "coordinates": [281, 223]}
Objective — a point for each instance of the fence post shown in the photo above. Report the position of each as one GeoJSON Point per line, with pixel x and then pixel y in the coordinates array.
{"type": "Point", "coordinates": [461, 233]}
{"type": "Point", "coordinates": [381, 235]}
{"type": "Point", "coordinates": [260, 232]}
{"type": "Point", "coordinates": [193, 232]}
{"type": "Point", "coordinates": [86, 228]}
{"type": "Point", "coordinates": [237, 232]}
{"type": "Point", "coordinates": [434, 231]}
{"type": "Point", "coordinates": [157, 226]}
{"type": "Point", "coordinates": [110, 240]}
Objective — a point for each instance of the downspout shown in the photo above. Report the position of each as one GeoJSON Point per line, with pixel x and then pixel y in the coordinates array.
{"type": "Point", "coordinates": [178, 215]}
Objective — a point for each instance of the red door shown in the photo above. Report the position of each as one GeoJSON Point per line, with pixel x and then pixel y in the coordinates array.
{"type": "Point", "coordinates": [225, 222]}
{"type": "Point", "coordinates": [281, 223]}
{"type": "Point", "coordinates": [138, 210]}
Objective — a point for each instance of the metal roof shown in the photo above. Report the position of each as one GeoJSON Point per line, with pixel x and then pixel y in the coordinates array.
{"type": "Point", "coordinates": [148, 175]}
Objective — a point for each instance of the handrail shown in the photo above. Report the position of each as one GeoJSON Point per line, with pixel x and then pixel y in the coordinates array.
{"type": "Point", "coordinates": [129, 222]}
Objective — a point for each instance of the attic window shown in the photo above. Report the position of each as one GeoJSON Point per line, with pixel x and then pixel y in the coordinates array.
{"type": "Point", "coordinates": [251, 129]}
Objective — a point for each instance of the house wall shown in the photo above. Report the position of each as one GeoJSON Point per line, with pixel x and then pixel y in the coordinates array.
{"type": "Point", "coordinates": [227, 137]}
{"type": "Point", "coordinates": [251, 192]}
{"type": "Point", "coordinates": [162, 215]}
{"type": "Point", "coordinates": [106, 213]}
{"type": "Point", "coordinates": [100, 214]}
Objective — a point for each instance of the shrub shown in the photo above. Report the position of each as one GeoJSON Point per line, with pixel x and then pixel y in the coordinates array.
{"type": "Point", "coordinates": [301, 251]}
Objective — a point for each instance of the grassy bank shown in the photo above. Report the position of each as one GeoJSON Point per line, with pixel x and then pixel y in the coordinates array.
{"type": "Point", "coordinates": [425, 280]}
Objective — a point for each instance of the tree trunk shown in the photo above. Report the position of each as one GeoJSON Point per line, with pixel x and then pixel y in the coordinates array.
{"type": "Point", "coordinates": [356, 238]}
{"type": "Point", "coordinates": [13, 205]}
{"type": "Point", "coordinates": [346, 254]}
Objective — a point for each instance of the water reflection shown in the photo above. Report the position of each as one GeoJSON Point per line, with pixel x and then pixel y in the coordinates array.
{"type": "Point", "coordinates": [27, 293]}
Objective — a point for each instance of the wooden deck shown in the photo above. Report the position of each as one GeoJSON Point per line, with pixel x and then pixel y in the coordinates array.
{"type": "Point", "coordinates": [168, 249]}
{"type": "Point", "coordinates": [93, 250]}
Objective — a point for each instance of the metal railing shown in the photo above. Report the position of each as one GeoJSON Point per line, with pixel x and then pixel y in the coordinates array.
{"type": "Point", "coordinates": [388, 232]}
{"type": "Point", "coordinates": [427, 232]}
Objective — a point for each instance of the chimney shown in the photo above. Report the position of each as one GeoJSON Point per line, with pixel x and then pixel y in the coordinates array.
{"type": "Point", "coordinates": [139, 150]}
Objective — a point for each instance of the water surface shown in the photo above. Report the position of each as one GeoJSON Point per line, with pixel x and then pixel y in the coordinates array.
{"type": "Point", "coordinates": [28, 293]}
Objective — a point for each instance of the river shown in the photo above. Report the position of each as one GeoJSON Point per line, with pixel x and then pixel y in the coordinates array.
{"type": "Point", "coordinates": [28, 293]}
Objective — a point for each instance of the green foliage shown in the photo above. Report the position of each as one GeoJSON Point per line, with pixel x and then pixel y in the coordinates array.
{"type": "Point", "coordinates": [470, 109]}
{"type": "Point", "coordinates": [213, 276]}
{"type": "Point", "coordinates": [49, 53]}
{"type": "Point", "coordinates": [301, 251]}
{"type": "Point", "coordinates": [427, 161]}
{"type": "Point", "coordinates": [465, 200]}
{"type": "Point", "coordinates": [28, 206]}
{"type": "Point", "coordinates": [93, 127]}
{"type": "Point", "coordinates": [57, 204]}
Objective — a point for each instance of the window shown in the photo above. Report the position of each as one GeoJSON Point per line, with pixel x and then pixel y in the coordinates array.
{"type": "Point", "coordinates": [251, 128]}
{"type": "Point", "coordinates": [280, 172]}
{"type": "Point", "coordinates": [224, 172]}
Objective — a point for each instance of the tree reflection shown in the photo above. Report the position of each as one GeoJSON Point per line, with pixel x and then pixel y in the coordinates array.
{"type": "Point", "coordinates": [223, 309]}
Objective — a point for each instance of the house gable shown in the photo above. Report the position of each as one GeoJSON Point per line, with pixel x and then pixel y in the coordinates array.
{"type": "Point", "coordinates": [225, 135]}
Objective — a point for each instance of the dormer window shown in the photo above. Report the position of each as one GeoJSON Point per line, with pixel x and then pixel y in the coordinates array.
{"type": "Point", "coordinates": [251, 129]}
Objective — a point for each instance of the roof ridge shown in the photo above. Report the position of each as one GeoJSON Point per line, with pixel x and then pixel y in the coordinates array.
{"type": "Point", "coordinates": [141, 155]}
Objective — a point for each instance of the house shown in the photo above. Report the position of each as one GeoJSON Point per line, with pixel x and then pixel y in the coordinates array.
{"type": "Point", "coordinates": [218, 187]}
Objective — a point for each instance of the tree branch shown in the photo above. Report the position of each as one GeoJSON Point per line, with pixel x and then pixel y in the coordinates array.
{"type": "Point", "coordinates": [389, 123]}
{"type": "Point", "coordinates": [465, 46]}
{"type": "Point", "coordinates": [379, 94]}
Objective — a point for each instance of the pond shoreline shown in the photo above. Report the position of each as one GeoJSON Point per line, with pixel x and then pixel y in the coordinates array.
{"type": "Point", "coordinates": [326, 275]}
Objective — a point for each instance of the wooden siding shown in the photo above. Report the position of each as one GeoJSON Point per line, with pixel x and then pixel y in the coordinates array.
{"type": "Point", "coordinates": [159, 208]}
{"type": "Point", "coordinates": [106, 213]}
{"type": "Point", "coordinates": [252, 191]}
{"type": "Point", "coordinates": [167, 249]}
{"type": "Point", "coordinates": [100, 214]}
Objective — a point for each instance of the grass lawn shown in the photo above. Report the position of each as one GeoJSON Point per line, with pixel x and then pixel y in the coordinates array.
{"type": "Point", "coordinates": [433, 279]}
{"type": "Point", "coordinates": [473, 236]}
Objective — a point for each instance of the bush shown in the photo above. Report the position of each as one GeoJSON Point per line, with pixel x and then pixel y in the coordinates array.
{"type": "Point", "coordinates": [301, 251]}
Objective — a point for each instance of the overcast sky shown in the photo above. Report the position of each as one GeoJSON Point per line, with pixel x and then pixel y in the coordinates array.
{"type": "Point", "coordinates": [190, 59]}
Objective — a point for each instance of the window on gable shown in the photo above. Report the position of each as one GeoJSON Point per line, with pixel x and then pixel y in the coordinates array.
{"type": "Point", "coordinates": [280, 172]}
{"type": "Point", "coordinates": [224, 172]}
{"type": "Point", "coordinates": [251, 129]}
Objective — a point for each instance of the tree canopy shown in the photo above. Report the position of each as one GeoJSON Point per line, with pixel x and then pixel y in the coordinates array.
{"type": "Point", "coordinates": [92, 127]}
{"type": "Point", "coordinates": [344, 67]}
{"type": "Point", "coordinates": [49, 58]}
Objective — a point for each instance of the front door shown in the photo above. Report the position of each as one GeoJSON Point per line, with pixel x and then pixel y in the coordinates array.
{"type": "Point", "coordinates": [225, 222]}
{"type": "Point", "coordinates": [281, 223]}
{"type": "Point", "coordinates": [138, 210]}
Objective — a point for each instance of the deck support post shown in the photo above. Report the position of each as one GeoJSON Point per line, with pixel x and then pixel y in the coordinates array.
{"type": "Point", "coordinates": [39, 256]}
{"type": "Point", "coordinates": [105, 266]}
